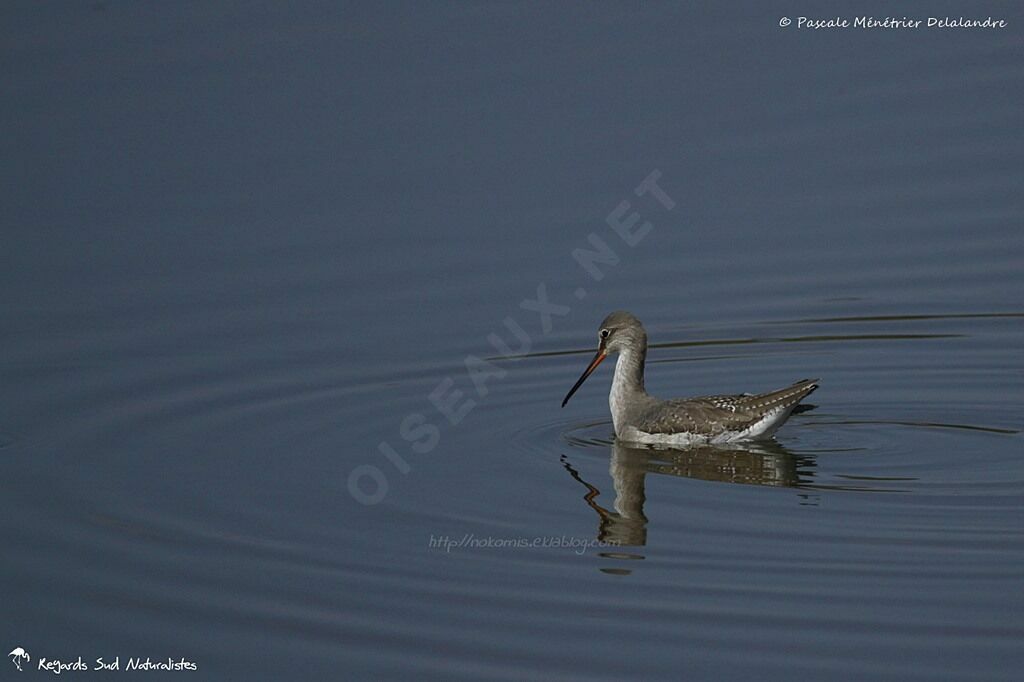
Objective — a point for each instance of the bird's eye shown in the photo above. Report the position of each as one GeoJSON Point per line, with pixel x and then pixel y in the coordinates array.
{"type": "Point", "coordinates": [605, 333]}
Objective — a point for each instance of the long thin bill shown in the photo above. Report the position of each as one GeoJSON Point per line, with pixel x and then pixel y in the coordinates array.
{"type": "Point", "coordinates": [601, 355]}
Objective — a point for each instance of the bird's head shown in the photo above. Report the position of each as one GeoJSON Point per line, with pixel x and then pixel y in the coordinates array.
{"type": "Point", "coordinates": [619, 332]}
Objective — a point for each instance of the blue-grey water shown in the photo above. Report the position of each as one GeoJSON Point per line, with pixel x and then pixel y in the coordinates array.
{"type": "Point", "coordinates": [253, 257]}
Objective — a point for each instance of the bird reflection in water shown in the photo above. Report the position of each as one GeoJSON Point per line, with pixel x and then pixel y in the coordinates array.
{"type": "Point", "coordinates": [625, 525]}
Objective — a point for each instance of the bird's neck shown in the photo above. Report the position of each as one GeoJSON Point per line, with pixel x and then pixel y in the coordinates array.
{"type": "Point", "coordinates": [627, 384]}
{"type": "Point", "coordinates": [629, 369]}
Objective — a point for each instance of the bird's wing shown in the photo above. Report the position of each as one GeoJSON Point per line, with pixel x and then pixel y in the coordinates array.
{"type": "Point", "coordinates": [762, 403]}
{"type": "Point", "coordinates": [704, 416]}
{"type": "Point", "coordinates": [714, 414]}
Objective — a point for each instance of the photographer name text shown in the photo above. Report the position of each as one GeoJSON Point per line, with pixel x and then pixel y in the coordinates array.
{"type": "Point", "coordinates": [866, 22]}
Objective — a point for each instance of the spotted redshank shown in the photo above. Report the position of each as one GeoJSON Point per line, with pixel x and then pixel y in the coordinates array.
{"type": "Point", "coordinates": [642, 418]}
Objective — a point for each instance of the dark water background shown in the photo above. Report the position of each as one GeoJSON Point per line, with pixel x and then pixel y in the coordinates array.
{"type": "Point", "coordinates": [243, 243]}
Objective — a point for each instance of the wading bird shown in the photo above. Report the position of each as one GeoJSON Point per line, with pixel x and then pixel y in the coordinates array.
{"type": "Point", "coordinates": [642, 418]}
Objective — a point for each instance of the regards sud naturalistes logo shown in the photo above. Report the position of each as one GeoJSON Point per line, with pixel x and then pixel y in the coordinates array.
{"type": "Point", "coordinates": [22, 659]}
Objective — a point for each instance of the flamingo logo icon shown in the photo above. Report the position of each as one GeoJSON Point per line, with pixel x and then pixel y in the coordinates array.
{"type": "Point", "coordinates": [19, 654]}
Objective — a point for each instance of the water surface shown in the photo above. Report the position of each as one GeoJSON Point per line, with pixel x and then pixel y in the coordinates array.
{"type": "Point", "coordinates": [243, 245]}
